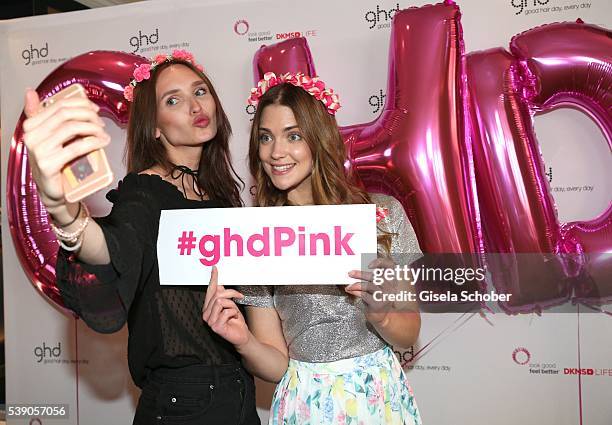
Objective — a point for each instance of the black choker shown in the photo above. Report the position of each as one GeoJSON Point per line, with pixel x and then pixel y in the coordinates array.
{"type": "Point", "coordinates": [180, 171]}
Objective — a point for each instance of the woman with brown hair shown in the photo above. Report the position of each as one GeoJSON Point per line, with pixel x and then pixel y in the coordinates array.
{"type": "Point", "coordinates": [328, 347]}
{"type": "Point", "coordinates": [177, 157]}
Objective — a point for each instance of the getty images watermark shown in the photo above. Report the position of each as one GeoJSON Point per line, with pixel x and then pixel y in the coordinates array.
{"type": "Point", "coordinates": [413, 275]}
{"type": "Point", "coordinates": [499, 282]}
{"type": "Point", "coordinates": [446, 282]}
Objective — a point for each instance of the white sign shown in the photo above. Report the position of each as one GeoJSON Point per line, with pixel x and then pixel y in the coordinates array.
{"type": "Point", "coordinates": [306, 245]}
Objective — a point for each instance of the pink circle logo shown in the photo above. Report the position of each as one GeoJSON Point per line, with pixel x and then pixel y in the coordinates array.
{"type": "Point", "coordinates": [241, 27]}
{"type": "Point", "coordinates": [521, 356]}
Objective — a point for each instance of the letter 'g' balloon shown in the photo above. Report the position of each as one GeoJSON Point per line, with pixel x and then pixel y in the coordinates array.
{"type": "Point", "coordinates": [103, 74]}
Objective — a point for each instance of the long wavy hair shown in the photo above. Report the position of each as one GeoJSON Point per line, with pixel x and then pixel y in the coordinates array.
{"type": "Point", "coordinates": [216, 175]}
{"type": "Point", "coordinates": [330, 183]}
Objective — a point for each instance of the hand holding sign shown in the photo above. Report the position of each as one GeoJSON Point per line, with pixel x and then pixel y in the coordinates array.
{"type": "Point", "coordinates": [381, 299]}
{"type": "Point", "coordinates": [222, 314]}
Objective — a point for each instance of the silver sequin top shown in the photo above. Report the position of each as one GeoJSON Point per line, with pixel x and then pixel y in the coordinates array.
{"type": "Point", "coordinates": [324, 323]}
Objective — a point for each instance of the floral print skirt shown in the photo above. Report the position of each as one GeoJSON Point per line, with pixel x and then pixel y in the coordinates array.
{"type": "Point", "coordinates": [366, 390]}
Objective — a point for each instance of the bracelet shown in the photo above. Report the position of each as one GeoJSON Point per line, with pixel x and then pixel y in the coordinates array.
{"type": "Point", "coordinates": [75, 217]}
{"type": "Point", "coordinates": [71, 248]}
{"type": "Point", "coordinates": [71, 237]}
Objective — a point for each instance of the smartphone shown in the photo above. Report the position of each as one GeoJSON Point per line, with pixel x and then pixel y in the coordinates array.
{"type": "Point", "coordinates": [89, 173]}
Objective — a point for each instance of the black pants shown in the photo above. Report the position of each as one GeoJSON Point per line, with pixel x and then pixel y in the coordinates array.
{"type": "Point", "coordinates": [202, 395]}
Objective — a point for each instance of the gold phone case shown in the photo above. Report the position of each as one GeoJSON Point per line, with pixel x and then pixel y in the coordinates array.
{"type": "Point", "coordinates": [86, 174]}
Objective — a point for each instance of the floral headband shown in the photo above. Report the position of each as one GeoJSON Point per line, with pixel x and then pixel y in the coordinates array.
{"type": "Point", "coordinates": [313, 86]}
{"type": "Point", "coordinates": [143, 71]}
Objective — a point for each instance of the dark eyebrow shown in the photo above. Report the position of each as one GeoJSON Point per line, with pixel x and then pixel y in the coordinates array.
{"type": "Point", "coordinates": [286, 129]}
{"type": "Point", "coordinates": [173, 91]}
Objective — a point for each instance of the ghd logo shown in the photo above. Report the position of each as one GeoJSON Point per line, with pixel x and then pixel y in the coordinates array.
{"type": "Point", "coordinates": [143, 40]}
{"type": "Point", "coordinates": [520, 5]}
{"type": "Point", "coordinates": [32, 53]}
{"type": "Point", "coordinates": [43, 352]}
{"type": "Point", "coordinates": [381, 17]}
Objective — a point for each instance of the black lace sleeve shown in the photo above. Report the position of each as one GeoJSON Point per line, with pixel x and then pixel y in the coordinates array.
{"type": "Point", "coordinates": [102, 295]}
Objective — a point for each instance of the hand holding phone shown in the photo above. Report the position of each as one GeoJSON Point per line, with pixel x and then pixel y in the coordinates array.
{"type": "Point", "coordinates": [89, 173]}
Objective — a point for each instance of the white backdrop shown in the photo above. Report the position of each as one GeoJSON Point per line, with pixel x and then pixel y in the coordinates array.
{"type": "Point", "coordinates": [468, 369]}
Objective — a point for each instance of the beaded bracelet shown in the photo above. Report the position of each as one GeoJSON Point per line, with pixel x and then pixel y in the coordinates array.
{"type": "Point", "coordinates": [74, 239]}
{"type": "Point", "coordinates": [71, 248]}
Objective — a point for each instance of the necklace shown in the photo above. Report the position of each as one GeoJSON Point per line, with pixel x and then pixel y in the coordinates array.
{"type": "Point", "coordinates": [181, 171]}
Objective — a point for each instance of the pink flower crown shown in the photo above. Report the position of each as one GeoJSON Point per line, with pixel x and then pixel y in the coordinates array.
{"type": "Point", "coordinates": [143, 71]}
{"type": "Point", "coordinates": [313, 86]}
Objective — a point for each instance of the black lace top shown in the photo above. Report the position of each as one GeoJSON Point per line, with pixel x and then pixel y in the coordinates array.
{"type": "Point", "coordinates": [165, 322]}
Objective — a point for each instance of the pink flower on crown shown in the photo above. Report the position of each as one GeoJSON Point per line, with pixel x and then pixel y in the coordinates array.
{"type": "Point", "coordinates": [199, 67]}
{"type": "Point", "coordinates": [252, 100]}
{"type": "Point", "coordinates": [304, 81]}
{"type": "Point", "coordinates": [142, 72]}
{"type": "Point", "coordinates": [317, 87]}
{"type": "Point", "coordinates": [128, 93]}
{"type": "Point", "coordinates": [269, 80]}
{"type": "Point", "coordinates": [159, 59]}
{"type": "Point", "coordinates": [182, 55]}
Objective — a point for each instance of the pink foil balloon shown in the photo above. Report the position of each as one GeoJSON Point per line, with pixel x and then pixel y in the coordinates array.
{"type": "Point", "coordinates": [515, 208]}
{"type": "Point", "coordinates": [512, 189]}
{"type": "Point", "coordinates": [292, 55]}
{"type": "Point", "coordinates": [416, 149]}
{"type": "Point", "coordinates": [570, 65]}
{"type": "Point", "coordinates": [567, 64]}
{"type": "Point", "coordinates": [103, 74]}
{"type": "Point", "coordinates": [553, 66]}
{"type": "Point", "coordinates": [592, 239]}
